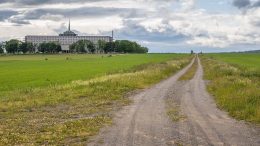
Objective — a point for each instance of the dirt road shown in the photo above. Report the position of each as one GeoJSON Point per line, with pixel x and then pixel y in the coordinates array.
{"type": "Point", "coordinates": [145, 122]}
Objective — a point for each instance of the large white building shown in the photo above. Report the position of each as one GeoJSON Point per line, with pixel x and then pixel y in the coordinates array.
{"type": "Point", "coordinates": [65, 39]}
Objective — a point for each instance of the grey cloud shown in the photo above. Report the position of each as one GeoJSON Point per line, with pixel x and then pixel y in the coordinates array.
{"type": "Point", "coordinates": [241, 3]}
{"type": "Point", "coordinates": [257, 4]}
{"type": "Point", "coordinates": [18, 21]}
{"type": "Point", "coordinates": [5, 14]}
{"type": "Point", "coordinates": [246, 4]}
{"type": "Point", "coordinates": [132, 30]}
{"type": "Point", "coordinates": [39, 2]}
{"type": "Point", "coordinates": [79, 12]}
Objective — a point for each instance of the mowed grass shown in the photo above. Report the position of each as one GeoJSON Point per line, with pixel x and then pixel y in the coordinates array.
{"type": "Point", "coordinates": [235, 83]}
{"type": "Point", "coordinates": [30, 71]}
{"type": "Point", "coordinates": [70, 113]}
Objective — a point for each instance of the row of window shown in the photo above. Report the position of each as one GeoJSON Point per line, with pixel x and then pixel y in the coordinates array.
{"type": "Point", "coordinates": [63, 41]}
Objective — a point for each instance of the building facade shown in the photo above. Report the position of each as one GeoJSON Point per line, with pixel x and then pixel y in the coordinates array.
{"type": "Point", "coordinates": [65, 39]}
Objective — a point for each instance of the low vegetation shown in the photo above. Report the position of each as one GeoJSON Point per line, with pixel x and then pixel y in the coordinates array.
{"type": "Point", "coordinates": [71, 113]}
{"type": "Point", "coordinates": [191, 72]}
{"type": "Point", "coordinates": [173, 110]}
{"type": "Point", "coordinates": [30, 71]}
{"type": "Point", "coordinates": [235, 83]}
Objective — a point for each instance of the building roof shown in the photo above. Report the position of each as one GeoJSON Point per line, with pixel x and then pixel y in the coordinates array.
{"type": "Point", "coordinates": [68, 32]}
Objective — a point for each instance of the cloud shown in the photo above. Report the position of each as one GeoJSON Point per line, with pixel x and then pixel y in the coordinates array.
{"type": "Point", "coordinates": [5, 14]}
{"type": "Point", "coordinates": [246, 3]}
{"type": "Point", "coordinates": [168, 23]}
{"type": "Point", "coordinates": [39, 2]}
{"type": "Point", "coordinates": [241, 3]}
{"type": "Point", "coordinates": [86, 12]}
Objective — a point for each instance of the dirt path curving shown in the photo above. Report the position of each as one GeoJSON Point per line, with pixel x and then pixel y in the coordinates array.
{"type": "Point", "coordinates": [145, 122]}
{"type": "Point", "coordinates": [205, 124]}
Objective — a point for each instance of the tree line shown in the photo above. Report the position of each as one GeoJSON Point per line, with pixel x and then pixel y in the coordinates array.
{"type": "Point", "coordinates": [119, 46]}
{"type": "Point", "coordinates": [82, 46]}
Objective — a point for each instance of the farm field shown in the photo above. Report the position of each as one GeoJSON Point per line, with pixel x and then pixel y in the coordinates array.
{"type": "Point", "coordinates": [74, 109]}
{"type": "Point", "coordinates": [247, 60]}
{"type": "Point", "coordinates": [235, 83]}
{"type": "Point", "coordinates": [30, 71]}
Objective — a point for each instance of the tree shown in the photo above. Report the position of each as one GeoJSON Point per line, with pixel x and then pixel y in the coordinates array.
{"type": "Point", "coordinates": [126, 46]}
{"type": "Point", "coordinates": [12, 46]}
{"type": "Point", "coordinates": [83, 46]}
{"type": "Point", "coordinates": [31, 47]}
{"type": "Point", "coordinates": [49, 47]}
{"type": "Point", "coordinates": [90, 46]}
{"type": "Point", "coordinates": [101, 46]}
{"type": "Point", "coordinates": [1, 48]}
{"type": "Point", "coordinates": [23, 47]}
{"type": "Point", "coordinates": [110, 47]}
{"type": "Point", "coordinates": [119, 46]}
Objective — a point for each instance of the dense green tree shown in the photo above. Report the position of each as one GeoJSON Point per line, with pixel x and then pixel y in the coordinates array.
{"type": "Point", "coordinates": [1, 48]}
{"type": "Point", "coordinates": [80, 47]}
{"type": "Point", "coordinates": [101, 46]}
{"type": "Point", "coordinates": [49, 47]}
{"type": "Point", "coordinates": [90, 46]}
{"type": "Point", "coordinates": [23, 47]}
{"type": "Point", "coordinates": [110, 47]}
{"type": "Point", "coordinates": [119, 46]}
{"type": "Point", "coordinates": [83, 46]}
{"type": "Point", "coordinates": [12, 46]}
{"type": "Point", "coordinates": [126, 46]}
{"type": "Point", "coordinates": [31, 47]}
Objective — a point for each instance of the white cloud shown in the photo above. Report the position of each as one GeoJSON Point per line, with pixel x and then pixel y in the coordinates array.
{"type": "Point", "coordinates": [147, 20]}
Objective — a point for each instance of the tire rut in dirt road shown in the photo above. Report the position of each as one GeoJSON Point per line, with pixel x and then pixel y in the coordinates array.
{"type": "Point", "coordinates": [206, 123]}
{"type": "Point", "coordinates": [143, 123]}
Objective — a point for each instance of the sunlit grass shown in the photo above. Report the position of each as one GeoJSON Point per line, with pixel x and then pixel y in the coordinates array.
{"type": "Point", "coordinates": [234, 86]}
{"type": "Point", "coordinates": [71, 113]}
{"type": "Point", "coordinates": [30, 71]}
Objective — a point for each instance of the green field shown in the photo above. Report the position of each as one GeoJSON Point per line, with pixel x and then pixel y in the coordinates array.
{"type": "Point", "coordinates": [235, 83]}
{"type": "Point", "coordinates": [246, 60]}
{"type": "Point", "coordinates": [26, 71]}
{"type": "Point", "coordinates": [79, 96]}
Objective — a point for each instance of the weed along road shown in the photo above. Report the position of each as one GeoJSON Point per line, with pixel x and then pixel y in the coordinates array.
{"type": "Point", "coordinates": [145, 122]}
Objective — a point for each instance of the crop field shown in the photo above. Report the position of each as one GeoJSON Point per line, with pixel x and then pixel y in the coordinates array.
{"type": "Point", "coordinates": [235, 83]}
{"type": "Point", "coordinates": [66, 99]}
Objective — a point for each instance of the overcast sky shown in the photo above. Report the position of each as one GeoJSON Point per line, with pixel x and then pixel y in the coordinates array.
{"type": "Point", "coordinates": [161, 25]}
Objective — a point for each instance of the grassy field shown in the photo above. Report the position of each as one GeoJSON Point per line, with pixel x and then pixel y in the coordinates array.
{"type": "Point", "coordinates": [73, 110]}
{"type": "Point", "coordinates": [235, 83]}
{"type": "Point", "coordinates": [19, 72]}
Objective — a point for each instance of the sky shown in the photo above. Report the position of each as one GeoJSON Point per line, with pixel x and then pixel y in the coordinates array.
{"type": "Point", "coordinates": [163, 26]}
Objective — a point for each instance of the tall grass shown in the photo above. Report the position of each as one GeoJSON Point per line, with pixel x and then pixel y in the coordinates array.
{"type": "Point", "coordinates": [235, 88]}
{"type": "Point", "coordinates": [72, 113]}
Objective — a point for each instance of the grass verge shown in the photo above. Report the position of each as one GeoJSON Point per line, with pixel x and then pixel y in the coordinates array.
{"type": "Point", "coordinates": [235, 88]}
{"type": "Point", "coordinates": [173, 110]}
{"type": "Point", "coordinates": [70, 114]}
{"type": "Point", "coordinates": [191, 72]}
